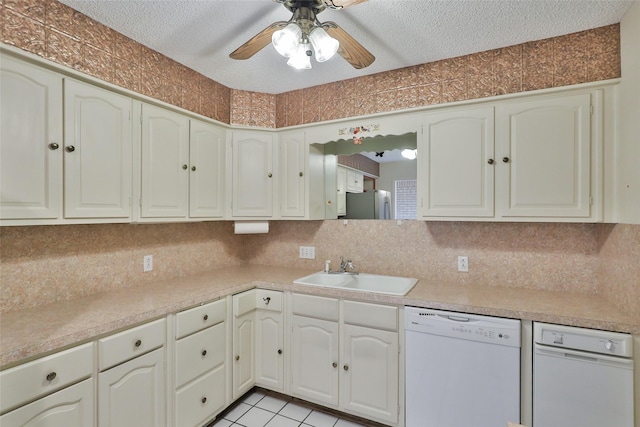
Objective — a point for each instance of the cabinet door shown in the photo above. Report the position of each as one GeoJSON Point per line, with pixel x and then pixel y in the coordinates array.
{"type": "Point", "coordinates": [355, 181]}
{"type": "Point", "coordinates": [253, 174]}
{"type": "Point", "coordinates": [165, 163]}
{"type": "Point", "coordinates": [206, 184]}
{"type": "Point", "coordinates": [292, 175]}
{"type": "Point", "coordinates": [456, 163]}
{"type": "Point", "coordinates": [369, 373]}
{"type": "Point", "coordinates": [30, 141]}
{"type": "Point", "coordinates": [98, 151]}
{"type": "Point", "coordinates": [269, 350]}
{"type": "Point", "coordinates": [70, 407]}
{"type": "Point", "coordinates": [342, 191]}
{"type": "Point", "coordinates": [544, 162]}
{"type": "Point", "coordinates": [133, 394]}
{"type": "Point", "coordinates": [314, 360]}
{"type": "Point", "coordinates": [244, 374]}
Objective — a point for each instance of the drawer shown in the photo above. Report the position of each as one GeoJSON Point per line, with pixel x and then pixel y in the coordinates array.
{"type": "Point", "coordinates": [31, 380]}
{"type": "Point", "coordinates": [201, 400]}
{"type": "Point", "coordinates": [370, 315]}
{"type": "Point", "coordinates": [198, 318]}
{"type": "Point", "coordinates": [199, 353]}
{"type": "Point", "coordinates": [244, 302]}
{"type": "Point", "coordinates": [131, 343]}
{"type": "Point", "coordinates": [71, 407]}
{"type": "Point", "coordinates": [269, 300]}
{"type": "Point", "coordinates": [317, 307]}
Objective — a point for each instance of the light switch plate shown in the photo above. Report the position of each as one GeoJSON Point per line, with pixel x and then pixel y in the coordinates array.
{"type": "Point", "coordinates": [308, 252]}
{"type": "Point", "coordinates": [463, 264]}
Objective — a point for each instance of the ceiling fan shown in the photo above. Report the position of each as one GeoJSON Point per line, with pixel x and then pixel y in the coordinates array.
{"type": "Point", "coordinates": [303, 35]}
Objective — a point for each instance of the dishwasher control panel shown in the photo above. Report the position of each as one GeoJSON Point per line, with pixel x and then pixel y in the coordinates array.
{"type": "Point", "coordinates": [592, 340]}
{"type": "Point", "coordinates": [470, 327]}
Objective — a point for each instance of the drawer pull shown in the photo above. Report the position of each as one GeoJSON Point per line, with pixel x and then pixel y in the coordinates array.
{"type": "Point", "coordinates": [204, 353]}
{"type": "Point", "coordinates": [205, 317]}
{"type": "Point", "coordinates": [54, 146]}
{"type": "Point", "coordinates": [204, 400]}
{"type": "Point", "coordinates": [345, 367]}
{"type": "Point", "coordinates": [51, 376]}
{"type": "Point", "coordinates": [334, 364]}
{"type": "Point", "coordinates": [237, 357]}
{"type": "Point", "coordinates": [138, 343]}
{"type": "Point", "coordinates": [279, 351]}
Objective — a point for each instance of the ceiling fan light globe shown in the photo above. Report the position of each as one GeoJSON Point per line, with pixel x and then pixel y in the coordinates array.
{"type": "Point", "coordinates": [300, 60]}
{"type": "Point", "coordinates": [409, 154]}
{"type": "Point", "coordinates": [323, 44]}
{"type": "Point", "coordinates": [287, 40]}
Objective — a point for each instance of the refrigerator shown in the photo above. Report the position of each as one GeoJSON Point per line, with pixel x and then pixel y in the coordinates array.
{"type": "Point", "coordinates": [369, 205]}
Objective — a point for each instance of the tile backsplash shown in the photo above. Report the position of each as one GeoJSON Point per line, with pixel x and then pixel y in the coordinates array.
{"type": "Point", "coordinates": [59, 33]}
{"type": "Point", "coordinates": [51, 263]}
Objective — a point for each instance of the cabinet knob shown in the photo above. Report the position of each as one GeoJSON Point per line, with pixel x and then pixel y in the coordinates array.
{"type": "Point", "coordinates": [334, 364]}
{"type": "Point", "coordinates": [237, 358]}
{"type": "Point", "coordinates": [506, 159]}
{"type": "Point", "coordinates": [279, 351]}
{"type": "Point", "coordinates": [54, 146]}
{"type": "Point", "coordinates": [203, 400]}
{"type": "Point", "coordinates": [345, 367]}
{"type": "Point", "coordinates": [185, 167]}
{"type": "Point", "coordinates": [138, 343]}
{"type": "Point", "coordinates": [270, 175]}
{"type": "Point", "coordinates": [193, 168]}
{"type": "Point", "coordinates": [204, 353]}
{"type": "Point", "coordinates": [301, 174]}
{"type": "Point", "coordinates": [490, 161]}
{"type": "Point", "coordinates": [70, 149]}
{"type": "Point", "coordinates": [51, 376]}
{"type": "Point", "coordinates": [205, 317]}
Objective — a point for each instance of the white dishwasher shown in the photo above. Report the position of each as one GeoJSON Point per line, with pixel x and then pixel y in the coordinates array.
{"type": "Point", "coordinates": [581, 377]}
{"type": "Point", "coordinates": [462, 370]}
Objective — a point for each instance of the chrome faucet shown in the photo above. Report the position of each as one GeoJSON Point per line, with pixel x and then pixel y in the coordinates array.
{"type": "Point", "coordinates": [346, 267]}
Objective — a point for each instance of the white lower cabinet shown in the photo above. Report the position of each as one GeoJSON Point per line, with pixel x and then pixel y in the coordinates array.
{"type": "Point", "coordinates": [269, 340]}
{"type": "Point", "coordinates": [133, 393]}
{"type": "Point", "coordinates": [200, 364]}
{"type": "Point", "coordinates": [244, 335]}
{"type": "Point", "coordinates": [347, 361]}
{"type": "Point", "coordinates": [56, 390]}
{"type": "Point", "coordinates": [71, 407]}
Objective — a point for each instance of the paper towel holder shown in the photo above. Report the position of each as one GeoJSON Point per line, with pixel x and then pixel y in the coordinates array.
{"type": "Point", "coordinates": [251, 227]}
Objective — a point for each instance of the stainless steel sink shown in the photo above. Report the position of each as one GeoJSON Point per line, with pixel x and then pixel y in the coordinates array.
{"type": "Point", "coordinates": [391, 285]}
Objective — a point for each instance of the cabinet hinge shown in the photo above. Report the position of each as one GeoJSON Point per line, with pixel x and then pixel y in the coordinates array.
{"type": "Point", "coordinates": [141, 117]}
{"type": "Point", "coordinates": [591, 109]}
{"type": "Point", "coordinates": [590, 201]}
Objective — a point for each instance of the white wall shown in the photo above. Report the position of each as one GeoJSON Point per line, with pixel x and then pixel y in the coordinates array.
{"type": "Point", "coordinates": [390, 171]}
{"type": "Point", "coordinates": [628, 149]}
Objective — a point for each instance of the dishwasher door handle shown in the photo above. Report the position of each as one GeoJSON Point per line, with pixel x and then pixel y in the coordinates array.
{"type": "Point", "coordinates": [458, 319]}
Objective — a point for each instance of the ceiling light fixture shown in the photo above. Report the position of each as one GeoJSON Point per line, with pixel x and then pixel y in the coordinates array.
{"type": "Point", "coordinates": [303, 36]}
{"type": "Point", "coordinates": [409, 154]}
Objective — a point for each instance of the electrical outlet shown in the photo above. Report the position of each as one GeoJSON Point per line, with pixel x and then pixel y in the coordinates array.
{"type": "Point", "coordinates": [147, 263]}
{"type": "Point", "coordinates": [308, 252]}
{"type": "Point", "coordinates": [463, 264]}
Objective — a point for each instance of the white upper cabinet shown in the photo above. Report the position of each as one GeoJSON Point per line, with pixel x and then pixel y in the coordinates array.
{"type": "Point", "coordinates": [165, 163]}
{"type": "Point", "coordinates": [456, 171]}
{"type": "Point", "coordinates": [292, 176]}
{"type": "Point", "coordinates": [302, 178]}
{"type": "Point", "coordinates": [207, 160]}
{"type": "Point", "coordinates": [98, 151]}
{"type": "Point", "coordinates": [30, 141]}
{"type": "Point", "coordinates": [254, 174]}
{"type": "Point", "coordinates": [544, 164]}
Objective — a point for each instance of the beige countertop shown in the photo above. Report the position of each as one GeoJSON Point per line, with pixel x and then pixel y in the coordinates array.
{"type": "Point", "coordinates": [28, 333]}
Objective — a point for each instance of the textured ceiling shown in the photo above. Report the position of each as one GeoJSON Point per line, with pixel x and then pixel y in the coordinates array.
{"type": "Point", "coordinates": [201, 33]}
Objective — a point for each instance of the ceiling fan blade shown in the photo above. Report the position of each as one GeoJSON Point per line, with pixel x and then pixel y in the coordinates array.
{"type": "Point", "coordinates": [349, 49]}
{"type": "Point", "coordinates": [257, 42]}
{"type": "Point", "coordinates": [341, 4]}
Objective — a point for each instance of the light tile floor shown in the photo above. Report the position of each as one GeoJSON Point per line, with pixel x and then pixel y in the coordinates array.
{"type": "Point", "coordinates": [260, 410]}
